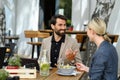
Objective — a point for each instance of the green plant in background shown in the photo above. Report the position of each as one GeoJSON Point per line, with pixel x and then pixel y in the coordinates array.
{"type": "Point", "coordinates": [68, 23]}
{"type": "Point", "coordinates": [3, 74]}
{"type": "Point", "coordinates": [14, 61]}
{"type": "Point", "coordinates": [67, 6]}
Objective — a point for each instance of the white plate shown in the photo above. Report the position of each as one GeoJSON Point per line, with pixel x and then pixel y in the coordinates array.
{"type": "Point", "coordinates": [70, 74]}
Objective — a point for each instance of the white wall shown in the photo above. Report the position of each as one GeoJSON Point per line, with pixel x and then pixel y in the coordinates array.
{"type": "Point", "coordinates": [80, 13]}
{"type": "Point", "coordinates": [22, 15]}
{"type": "Point", "coordinates": [1, 4]}
{"type": "Point", "coordinates": [26, 19]}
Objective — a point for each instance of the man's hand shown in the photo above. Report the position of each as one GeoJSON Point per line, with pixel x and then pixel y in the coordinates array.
{"type": "Point", "coordinates": [70, 54]}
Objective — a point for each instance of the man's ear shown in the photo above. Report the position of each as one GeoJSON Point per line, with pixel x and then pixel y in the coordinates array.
{"type": "Point", "coordinates": [52, 26]}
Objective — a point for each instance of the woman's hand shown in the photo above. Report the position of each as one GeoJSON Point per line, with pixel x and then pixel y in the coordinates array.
{"type": "Point", "coordinates": [82, 67]}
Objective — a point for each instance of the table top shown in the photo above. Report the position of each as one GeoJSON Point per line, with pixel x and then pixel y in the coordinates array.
{"type": "Point", "coordinates": [11, 37]}
{"type": "Point", "coordinates": [67, 32]}
{"type": "Point", "coordinates": [54, 76]}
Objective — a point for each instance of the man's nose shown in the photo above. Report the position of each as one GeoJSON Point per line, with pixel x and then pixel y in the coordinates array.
{"type": "Point", "coordinates": [63, 27]}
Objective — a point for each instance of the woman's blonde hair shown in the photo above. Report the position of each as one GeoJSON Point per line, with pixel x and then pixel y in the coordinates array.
{"type": "Point", "coordinates": [99, 26]}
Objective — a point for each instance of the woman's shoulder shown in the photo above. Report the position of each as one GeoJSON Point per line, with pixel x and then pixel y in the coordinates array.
{"type": "Point", "coordinates": [107, 48]}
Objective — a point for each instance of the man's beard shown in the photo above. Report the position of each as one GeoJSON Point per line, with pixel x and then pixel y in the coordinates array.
{"type": "Point", "coordinates": [59, 33]}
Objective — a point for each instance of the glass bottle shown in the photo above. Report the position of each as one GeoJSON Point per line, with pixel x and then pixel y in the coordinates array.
{"type": "Point", "coordinates": [44, 64]}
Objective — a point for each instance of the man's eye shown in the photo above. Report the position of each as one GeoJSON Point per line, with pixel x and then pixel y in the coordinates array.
{"type": "Point", "coordinates": [60, 25]}
{"type": "Point", "coordinates": [64, 24]}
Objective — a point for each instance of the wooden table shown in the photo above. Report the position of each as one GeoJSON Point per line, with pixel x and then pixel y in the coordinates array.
{"type": "Point", "coordinates": [67, 32]}
{"type": "Point", "coordinates": [10, 38]}
{"type": "Point", "coordinates": [54, 76]}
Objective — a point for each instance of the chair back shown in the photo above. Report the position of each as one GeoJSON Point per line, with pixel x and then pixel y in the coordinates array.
{"type": "Point", "coordinates": [33, 34]}
{"type": "Point", "coordinates": [113, 38]}
{"type": "Point", "coordinates": [81, 38]}
{"type": "Point", "coordinates": [30, 34]}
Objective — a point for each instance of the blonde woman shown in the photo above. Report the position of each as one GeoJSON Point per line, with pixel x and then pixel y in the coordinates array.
{"type": "Point", "coordinates": [104, 62]}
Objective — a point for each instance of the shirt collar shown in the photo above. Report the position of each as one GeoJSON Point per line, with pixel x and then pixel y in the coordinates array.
{"type": "Point", "coordinates": [61, 40]}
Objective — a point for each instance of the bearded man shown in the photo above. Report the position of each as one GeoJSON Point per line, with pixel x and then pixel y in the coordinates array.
{"type": "Point", "coordinates": [60, 47]}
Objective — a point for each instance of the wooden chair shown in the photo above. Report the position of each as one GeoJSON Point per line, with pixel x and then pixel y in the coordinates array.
{"type": "Point", "coordinates": [32, 35]}
{"type": "Point", "coordinates": [113, 38]}
{"type": "Point", "coordinates": [81, 38]}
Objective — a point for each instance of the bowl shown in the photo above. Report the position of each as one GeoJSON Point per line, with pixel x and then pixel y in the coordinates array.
{"type": "Point", "coordinates": [66, 70]}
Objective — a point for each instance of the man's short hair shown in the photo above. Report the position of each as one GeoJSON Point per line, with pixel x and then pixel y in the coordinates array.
{"type": "Point", "coordinates": [53, 19]}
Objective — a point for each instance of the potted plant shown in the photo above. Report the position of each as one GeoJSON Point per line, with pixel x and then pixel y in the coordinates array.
{"type": "Point", "coordinates": [14, 62]}
{"type": "Point", "coordinates": [3, 74]}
